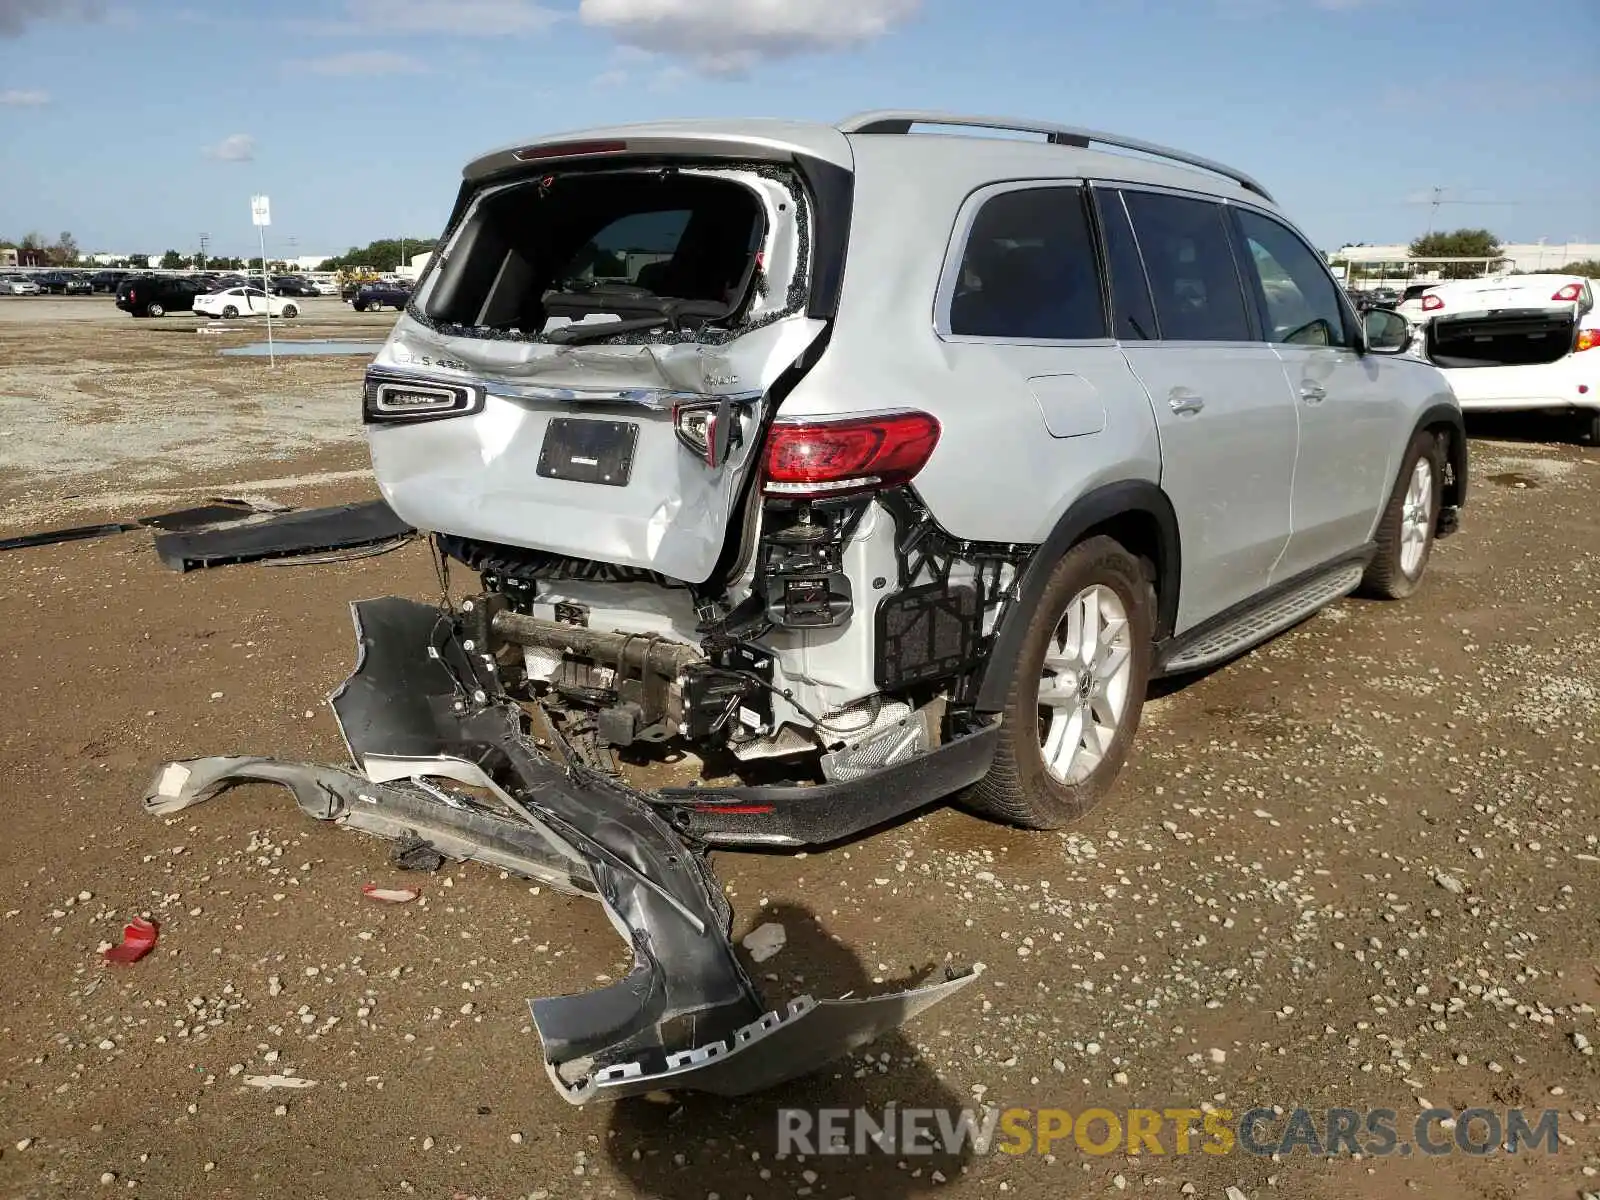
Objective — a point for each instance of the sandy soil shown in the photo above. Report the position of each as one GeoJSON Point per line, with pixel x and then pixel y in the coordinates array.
{"type": "Point", "coordinates": [1359, 868]}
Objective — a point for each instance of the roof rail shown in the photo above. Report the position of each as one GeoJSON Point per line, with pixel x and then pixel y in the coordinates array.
{"type": "Point", "coordinates": [901, 121]}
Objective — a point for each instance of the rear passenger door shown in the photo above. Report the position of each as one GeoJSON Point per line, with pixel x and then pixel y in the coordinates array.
{"type": "Point", "coordinates": [1348, 451]}
{"type": "Point", "coordinates": [1226, 421]}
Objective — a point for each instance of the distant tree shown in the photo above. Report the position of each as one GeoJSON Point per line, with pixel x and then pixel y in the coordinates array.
{"type": "Point", "coordinates": [384, 254]}
{"type": "Point", "coordinates": [65, 251]}
{"type": "Point", "coordinates": [1589, 268]}
{"type": "Point", "coordinates": [139, 262]}
{"type": "Point", "coordinates": [1459, 243]}
{"type": "Point", "coordinates": [171, 260]}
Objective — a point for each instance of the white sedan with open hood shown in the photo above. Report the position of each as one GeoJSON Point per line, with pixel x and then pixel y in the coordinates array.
{"type": "Point", "coordinates": [1520, 342]}
{"type": "Point", "coordinates": [244, 302]}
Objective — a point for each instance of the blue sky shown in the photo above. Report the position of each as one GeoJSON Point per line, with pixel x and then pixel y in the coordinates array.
{"type": "Point", "coordinates": [139, 124]}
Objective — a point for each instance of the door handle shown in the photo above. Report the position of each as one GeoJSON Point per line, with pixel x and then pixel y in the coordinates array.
{"type": "Point", "coordinates": [1183, 402]}
{"type": "Point", "coordinates": [1313, 393]}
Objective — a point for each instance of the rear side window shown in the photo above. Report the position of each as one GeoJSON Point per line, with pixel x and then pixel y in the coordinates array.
{"type": "Point", "coordinates": [1299, 300]}
{"type": "Point", "coordinates": [1028, 270]}
{"type": "Point", "coordinates": [1184, 244]}
{"type": "Point", "coordinates": [1133, 317]}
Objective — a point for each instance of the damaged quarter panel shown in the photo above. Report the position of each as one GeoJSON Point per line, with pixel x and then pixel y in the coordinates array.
{"type": "Point", "coordinates": [893, 343]}
{"type": "Point", "coordinates": [577, 449]}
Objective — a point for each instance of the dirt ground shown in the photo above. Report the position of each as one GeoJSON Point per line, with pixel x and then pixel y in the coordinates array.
{"type": "Point", "coordinates": [1358, 868]}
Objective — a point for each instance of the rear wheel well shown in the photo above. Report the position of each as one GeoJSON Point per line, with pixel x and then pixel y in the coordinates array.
{"type": "Point", "coordinates": [1139, 533]}
{"type": "Point", "coordinates": [1452, 448]}
{"type": "Point", "coordinates": [1136, 514]}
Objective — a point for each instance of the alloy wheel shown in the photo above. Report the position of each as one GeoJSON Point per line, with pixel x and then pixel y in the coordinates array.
{"type": "Point", "coordinates": [1083, 690]}
{"type": "Point", "coordinates": [1416, 518]}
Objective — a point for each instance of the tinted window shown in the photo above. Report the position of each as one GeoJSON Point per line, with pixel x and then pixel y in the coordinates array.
{"type": "Point", "coordinates": [1132, 316]}
{"type": "Point", "coordinates": [1300, 302]}
{"type": "Point", "coordinates": [1028, 269]}
{"type": "Point", "coordinates": [1189, 263]}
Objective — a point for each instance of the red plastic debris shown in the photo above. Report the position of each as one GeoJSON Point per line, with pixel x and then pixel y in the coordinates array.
{"type": "Point", "coordinates": [389, 895]}
{"type": "Point", "coordinates": [138, 939]}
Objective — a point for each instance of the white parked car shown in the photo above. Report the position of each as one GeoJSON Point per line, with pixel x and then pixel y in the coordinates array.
{"type": "Point", "coordinates": [244, 302]}
{"type": "Point", "coordinates": [18, 286]}
{"type": "Point", "coordinates": [1519, 342]}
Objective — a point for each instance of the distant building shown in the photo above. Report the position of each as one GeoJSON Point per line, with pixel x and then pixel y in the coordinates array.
{"type": "Point", "coordinates": [8, 256]}
{"type": "Point", "coordinates": [415, 266]}
{"type": "Point", "coordinates": [1392, 265]}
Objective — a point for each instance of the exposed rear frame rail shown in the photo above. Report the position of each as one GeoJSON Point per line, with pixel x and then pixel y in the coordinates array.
{"type": "Point", "coordinates": [901, 121]}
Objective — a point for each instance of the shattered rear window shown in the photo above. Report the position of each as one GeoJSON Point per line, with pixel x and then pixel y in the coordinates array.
{"type": "Point", "coordinates": [660, 253]}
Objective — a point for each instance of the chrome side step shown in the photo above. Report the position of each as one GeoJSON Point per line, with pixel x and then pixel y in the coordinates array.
{"type": "Point", "coordinates": [1256, 625]}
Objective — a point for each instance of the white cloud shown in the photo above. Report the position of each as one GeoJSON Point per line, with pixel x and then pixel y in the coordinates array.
{"type": "Point", "coordinates": [361, 62]}
{"type": "Point", "coordinates": [23, 98]}
{"type": "Point", "coordinates": [16, 15]}
{"type": "Point", "coordinates": [728, 37]}
{"type": "Point", "coordinates": [236, 147]}
{"type": "Point", "coordinates": [458, 18]}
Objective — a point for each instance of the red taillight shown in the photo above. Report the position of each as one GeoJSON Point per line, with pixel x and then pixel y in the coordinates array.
{"type": "Point", "coordinates": [567, 150]}
{"type": "Point", "coordinates": [1588, 339]}
{"type": "Point", "coordinates": [827, 458]}
{"type": "Point", "coordinates": [1571, 292]}
{"type": "Point", "coordinates": [1431, 303]}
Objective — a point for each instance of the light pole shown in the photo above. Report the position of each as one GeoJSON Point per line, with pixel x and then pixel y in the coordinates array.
{"type": "Point", "coordinates": [205, 239]}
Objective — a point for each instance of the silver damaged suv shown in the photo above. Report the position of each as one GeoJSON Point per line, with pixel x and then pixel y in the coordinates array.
{"type": "Point", "coordinates": [860, 454]}
{"type": "Point", "coordinates": [814, 475]}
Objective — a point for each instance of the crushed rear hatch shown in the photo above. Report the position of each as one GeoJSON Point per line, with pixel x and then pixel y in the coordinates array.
{"type": "Point", "coordinates": [587, 366]}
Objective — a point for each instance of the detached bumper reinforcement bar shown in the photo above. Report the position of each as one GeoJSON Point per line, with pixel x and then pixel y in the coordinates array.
{"type": "Point", "coordinates": [422, 706]}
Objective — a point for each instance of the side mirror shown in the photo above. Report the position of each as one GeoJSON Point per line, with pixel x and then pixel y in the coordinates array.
{"type": "Point", "coordinates": [1387, 332]}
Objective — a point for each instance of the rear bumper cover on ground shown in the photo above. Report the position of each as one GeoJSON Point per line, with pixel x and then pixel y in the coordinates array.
{"type": "Point", "coordinates": [424, 702]}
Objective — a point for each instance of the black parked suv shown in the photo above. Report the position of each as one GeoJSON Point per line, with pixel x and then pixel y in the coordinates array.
{"type": "Point", "coordinates": [62, 283]}
{"type": "Point", "coordinates": [107, 281]}
{"type": "Point", "coordinates": [381, 295]}
{"type": "Point", "coordinates": [293, 285]}
{"type": "Point", "coordinates": [157, 295]}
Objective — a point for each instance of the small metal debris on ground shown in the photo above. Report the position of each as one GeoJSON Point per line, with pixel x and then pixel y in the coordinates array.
{"type": "Point", "coordinates": [138, 939]}
{"type": "Point", "coordinates": [389, 895]}
{"type": "Point", "coordinates": [764, 941]}
{"type": "Point", "coordinates": [278, 1081]}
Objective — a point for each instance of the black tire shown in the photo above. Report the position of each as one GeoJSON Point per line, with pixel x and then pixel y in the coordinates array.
{"type": "Point", "coordinates": [290, 312]}
{"type": "Point", "coordinates": [1386, 577]}
{"type": "Point", "coordinates": [155, 310]}
{"type": "Point", "coordinates": [1589, 426]}
{"type": "Point", "coordinates": [229, 312]}
{"type": "Point", "coordinates": [1018, 788]}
